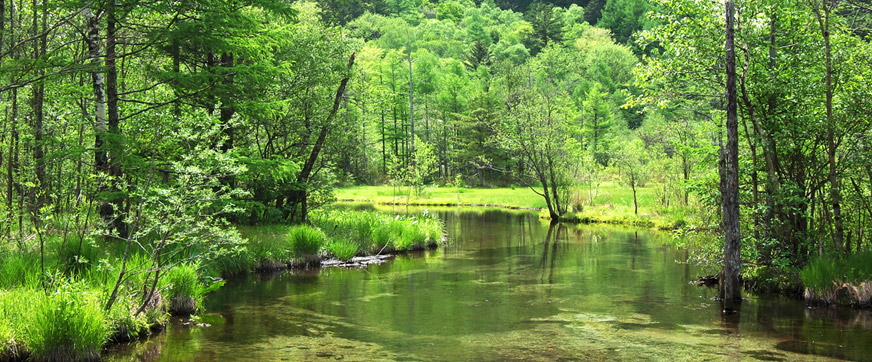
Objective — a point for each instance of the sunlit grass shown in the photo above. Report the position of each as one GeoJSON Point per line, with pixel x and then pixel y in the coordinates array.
{"type": "Point", "coordinates": [375, 232]}
{"type": "Point", "coordinates": [610, 202]}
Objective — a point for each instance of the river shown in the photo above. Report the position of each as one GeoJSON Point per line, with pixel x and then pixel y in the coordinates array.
{"type": "Point", "coordinates": [507, 287]}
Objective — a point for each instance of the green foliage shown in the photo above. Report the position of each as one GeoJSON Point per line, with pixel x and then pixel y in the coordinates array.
{"type": "Point", "coordinates": [374, 232]}
{"type": "Point", "coordinates": [306, 240]}
{"type": "Point", "coordinates": [19, 269]}
{"type": "Point", "coordinates": [342, 249]}
{"type": "Point", "coordinates": [183, 282]}
{"type": "Point", "coordinates": [68, 324]}
{"type": "Point", "coordinates": [126, 324]}
{"type": "Point", "coordinates": [625, 17]}
{"type": "Point", "coordinates": [822, 274]}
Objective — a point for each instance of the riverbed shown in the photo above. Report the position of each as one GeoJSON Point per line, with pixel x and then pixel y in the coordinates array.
{"type": "Point", "coordinates": [508, 286]}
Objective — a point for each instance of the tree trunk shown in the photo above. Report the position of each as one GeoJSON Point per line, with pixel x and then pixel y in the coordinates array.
{"type": "Point", "coordinates": [300, 196]}
{"type": "Point", "coordinates": [731, 284]}
{"type": "Point", "coordinates": [411, 113]}
{"type": "Point", "coordinates": [38, 91]}
{"type": "Point", "coordinates": [113, 123]}
{"type": "Point", "coordinates": [835, 187]}
{"type": "Point", "coordinates": [101, 159]}
{"type": "Point", "coordinates": [226, 110]}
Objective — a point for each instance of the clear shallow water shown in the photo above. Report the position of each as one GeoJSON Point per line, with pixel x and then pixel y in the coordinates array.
{"type": "Point", "coordinates": [508, 288]}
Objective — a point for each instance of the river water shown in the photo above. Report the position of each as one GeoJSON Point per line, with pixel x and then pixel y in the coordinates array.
{"type": "Point", "coordinates": [508, 287]}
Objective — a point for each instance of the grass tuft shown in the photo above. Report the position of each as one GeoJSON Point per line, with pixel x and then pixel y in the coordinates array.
{"type": "Point", "coordinates": [342, 249]}
{"type": "Point", "coordinates": [67, 325]}
{"type": "Point", "coordinates": [821, 274]}
{"type": "Point", "coordinates": [184, 290]}
{"type": "Point", "coordinates": [306, 240]}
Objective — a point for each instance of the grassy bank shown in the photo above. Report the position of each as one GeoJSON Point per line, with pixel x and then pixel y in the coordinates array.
{"type": "Point", "coordinates": [610, 203]}
{"type": "Point", "coordinates": [61, 314]}
{"type": "Point", "coordinates": [519, 197]}
{"type": "Point", "coordinates": [839, 280]}
{"type": "Point", "coordinates": [334, 234]}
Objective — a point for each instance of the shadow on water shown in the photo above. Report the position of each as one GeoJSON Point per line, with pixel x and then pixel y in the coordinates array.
{"type": "Point", "coordinates": [509, 286]}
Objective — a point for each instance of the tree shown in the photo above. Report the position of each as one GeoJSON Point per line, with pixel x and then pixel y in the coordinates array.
{"type": "Point", "coordinates": [540, 131]}
{"type": "Point", "coordinates": [624, 18]}
{"type": "Point", "coordinates": [547, 28]}
{"type": "Point", "coordinates": [731, 288]}
{"type": "Point", "coordinates": [631, 159]}
{"type": "Point", "coordinates": [596, 121]}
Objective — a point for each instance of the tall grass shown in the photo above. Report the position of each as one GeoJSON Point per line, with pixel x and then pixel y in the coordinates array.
{"type": "Point", "coordinates": [375, 232]}
{"type": "Point", "coordinates": [67, 325]}
{"type": "Point", "coordinates": [306, 240]}
{"type": "Point", "coordinates": [184, 289]}
{"type": "Point", "coordinates": [14, 318]}
{"type": "Point", "coordinates": [342, 249]}
{"type": "Point", "coordinates": [19, 269]}
{"type": "Point", "coordinates": [820, 275]}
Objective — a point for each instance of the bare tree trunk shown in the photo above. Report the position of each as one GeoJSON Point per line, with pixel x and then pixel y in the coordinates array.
{"type": "Point", "coordinates": [731, 285]}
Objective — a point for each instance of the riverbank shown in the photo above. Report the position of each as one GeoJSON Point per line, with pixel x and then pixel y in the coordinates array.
{"type": "Point", "coordinates": [610, 203]}
{"type": "Point", "coordinates": [66, 315]}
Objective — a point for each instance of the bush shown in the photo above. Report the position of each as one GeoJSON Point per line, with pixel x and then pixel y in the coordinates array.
{"type": "Point", "coordinates": [67, 325]}
{"type": "Point", "coordinates": [126, 325]}
{"type": "Point", "coordinates": [306, 240]}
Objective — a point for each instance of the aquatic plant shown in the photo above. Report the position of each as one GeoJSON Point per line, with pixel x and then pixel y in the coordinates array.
{"type": "Point", "coordinates": [184, 290]}
{"type": "Point", "coordinates": [378, 232]}
{"type": "Point", "coordinates": [306, 240]}
{"type": "Point", "coordinates": [342, 249]}
{"type": "Point", "coordinates": [67, 325]}
{"type": "Point", "coordinates": [821, 274]}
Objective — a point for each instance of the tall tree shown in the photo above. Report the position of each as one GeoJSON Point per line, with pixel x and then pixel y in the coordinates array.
{"type": "Point", "coordinates": [731, 288]}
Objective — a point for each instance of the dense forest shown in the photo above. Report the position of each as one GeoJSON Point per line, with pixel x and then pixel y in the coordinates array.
{"type": "Point", "coordinates": [161, 124]}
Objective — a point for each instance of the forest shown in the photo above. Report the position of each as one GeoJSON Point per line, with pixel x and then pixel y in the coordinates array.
{"type": "Point", "coordinates": [146, 145]}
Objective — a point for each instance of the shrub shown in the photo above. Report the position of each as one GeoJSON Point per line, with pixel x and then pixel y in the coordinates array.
{"type": "Point", "coordinates": [67, 325]}
{"type": "Point", "coordinates": [306, 240]}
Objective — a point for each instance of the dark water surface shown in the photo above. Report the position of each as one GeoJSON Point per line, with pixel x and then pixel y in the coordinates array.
{"type": "Point", "coordinates": [507, 288]}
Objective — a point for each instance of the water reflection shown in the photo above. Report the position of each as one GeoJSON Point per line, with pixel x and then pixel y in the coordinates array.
{"type": "Point", "coordinates": [509, 287]}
